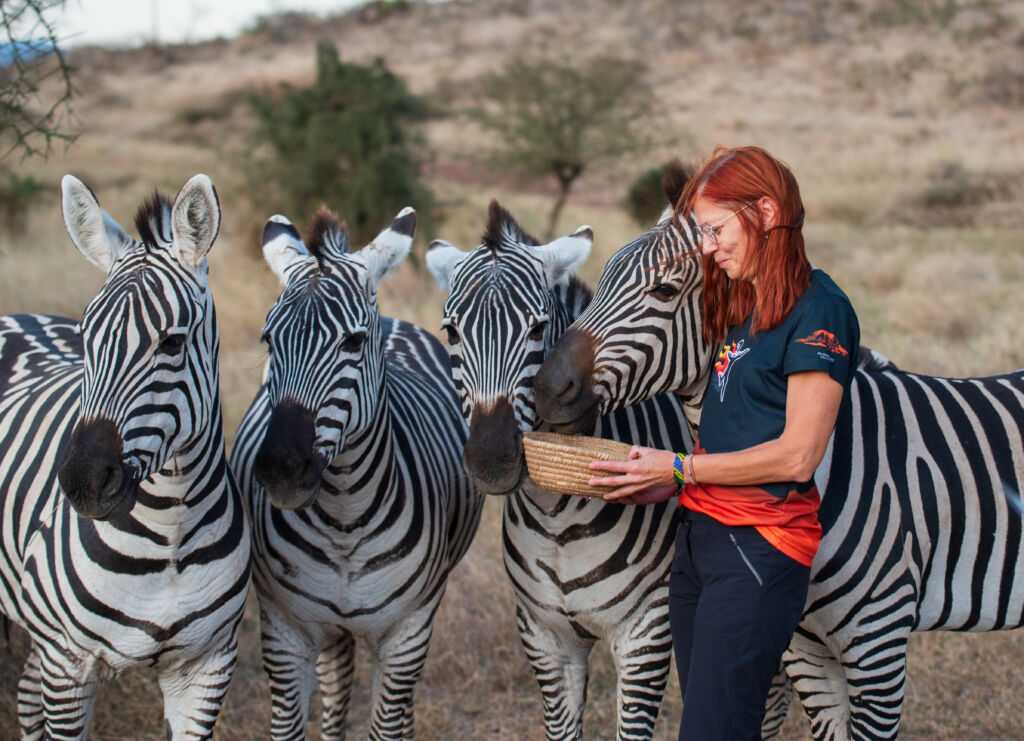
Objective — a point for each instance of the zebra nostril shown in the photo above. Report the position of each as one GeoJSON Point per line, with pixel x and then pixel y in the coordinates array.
{"type": "Point", "coordinates": [569, 391]}
{"type": "Point", "coordinates": [110, 480]}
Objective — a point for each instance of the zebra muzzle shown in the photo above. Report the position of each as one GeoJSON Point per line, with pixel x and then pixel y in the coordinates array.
{"type": "Point", "coordinates": [92, 475]}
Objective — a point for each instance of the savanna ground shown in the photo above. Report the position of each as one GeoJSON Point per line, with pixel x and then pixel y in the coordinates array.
{"type": "Point", "coordinates": [904, 122]}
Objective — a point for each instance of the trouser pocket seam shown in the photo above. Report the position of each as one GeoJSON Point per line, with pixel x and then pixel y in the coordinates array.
{"type": "Point", "coordinates": [746, 560]}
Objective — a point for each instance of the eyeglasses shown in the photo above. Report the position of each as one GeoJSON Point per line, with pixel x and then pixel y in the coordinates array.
{"type": "Point", "coordinates": [712, 231]}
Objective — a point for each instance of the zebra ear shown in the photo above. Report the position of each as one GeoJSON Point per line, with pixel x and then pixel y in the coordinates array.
{"type": "Point", "coordinates": [93, 231]}
{"type": "Point", "coordinates": [282, 247]}
{"type": "Point", "coordinates": [442, 259]}
{"type": "Point", "coordinates": [195, 221]}
{"type": "Point", "coordinates": [389, 247]}
{"type": "Point", "coordinates": [565, 255]}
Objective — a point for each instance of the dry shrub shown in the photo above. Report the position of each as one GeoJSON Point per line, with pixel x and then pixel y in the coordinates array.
{"type": "Point", "coordinates": [1002, 85]}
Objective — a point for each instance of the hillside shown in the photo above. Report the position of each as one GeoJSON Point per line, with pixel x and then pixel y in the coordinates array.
{"type": "Point", "coordinates": [903, 121]}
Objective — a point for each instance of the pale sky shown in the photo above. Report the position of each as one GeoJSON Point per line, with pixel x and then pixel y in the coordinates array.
{"type": "Point", "coordinates": [132, 22]}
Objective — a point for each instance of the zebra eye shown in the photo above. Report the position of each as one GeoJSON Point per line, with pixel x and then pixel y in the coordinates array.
{"type": "Point", "coordinates": [537, 333]}
{"type": "Point", "coordinates": [172, 344]}
{"type": "Point", "coordinates": [354, 342]}
{"type": "Point", "coordinates": [665, 291]}
{"type": "Point", "coordinates": [453, 335]}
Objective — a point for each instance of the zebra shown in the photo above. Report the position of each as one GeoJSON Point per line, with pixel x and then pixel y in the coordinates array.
{"type": "Point", "coordinates": [349, 460]}
{"type": "Point", "coordinates": [123, 537]}
{"type": "Point", "coordinates": [921, 485]}
{"type": "Point", "coordinates": [582, 569]}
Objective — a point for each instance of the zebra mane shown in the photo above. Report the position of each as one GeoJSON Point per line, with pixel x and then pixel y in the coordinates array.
{"type": "Point", "coordinates": [575, 295]}
{"type": "Point", "coordinates": [872, 360]}
{"type": "Point", "coordinates": [326, 234]}
{"type": "Point", "coordinates": [502, 227]}
{"type": "Point", "coordinates": [153, 220]}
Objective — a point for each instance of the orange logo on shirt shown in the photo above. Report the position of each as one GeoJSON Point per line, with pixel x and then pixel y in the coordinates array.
{"type": "Point", "coordinates": [824, 338]}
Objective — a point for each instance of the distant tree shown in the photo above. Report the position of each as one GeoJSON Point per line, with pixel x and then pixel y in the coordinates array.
{"type": "Point", "coordinates": [559, 117]}
{"type": "Point", "coordinates": [30, 54]}
{"type": "Point", "coordinates": [654, 190]}
{"type": "Point", "coordinates": [350, 140]}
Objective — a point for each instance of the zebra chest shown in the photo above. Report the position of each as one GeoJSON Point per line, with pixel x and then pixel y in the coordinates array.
{"type": "Point", "coordinates": [110, 607]}
{"type": "Point", "coordinates": [363, 585]}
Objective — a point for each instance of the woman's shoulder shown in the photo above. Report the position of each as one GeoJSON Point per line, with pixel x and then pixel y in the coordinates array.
{"type": "Point", "coordinates": [823, 289]}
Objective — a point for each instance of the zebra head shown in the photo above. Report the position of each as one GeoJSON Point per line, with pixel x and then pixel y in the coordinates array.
{"type": "Point", "coordinates": [639, 336]}
{"type": "Point", "coordinates": [150, 380]}
{"type": "Point", "coordinates": [509, 300]}
{"type": "Point", "coordinates": [325, 376]}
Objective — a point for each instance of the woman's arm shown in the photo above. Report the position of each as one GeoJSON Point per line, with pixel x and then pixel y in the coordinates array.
{"type": "Point", "coordinates": [812, 405]}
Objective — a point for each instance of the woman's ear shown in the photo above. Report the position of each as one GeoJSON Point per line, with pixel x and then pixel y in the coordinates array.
{"type": "Point", "coordinates": [769, 211]}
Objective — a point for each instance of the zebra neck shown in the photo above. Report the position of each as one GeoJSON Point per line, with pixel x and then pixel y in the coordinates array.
{"type": "Point", "coordinates": [365, 478]}
{"type": "Point", "coordinates": [692, 397]}
{"type": "Point", "coordinates": [194, 478]}
{"type": "Point", "coordinates": [546, 503]}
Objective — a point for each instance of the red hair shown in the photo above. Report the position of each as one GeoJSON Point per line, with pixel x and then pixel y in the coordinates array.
{"type": "Point", "coordinates": [734, 178]}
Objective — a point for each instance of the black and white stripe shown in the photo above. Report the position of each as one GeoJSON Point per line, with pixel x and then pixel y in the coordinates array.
{"type": "Point", "coordinates": [123, 538]}
{"type": "Point", "coordinates": [921, 487]}
{"type": "Point", "coordinates": [582, 570]}
{"type": "Point", "coordinates": [349, 460]}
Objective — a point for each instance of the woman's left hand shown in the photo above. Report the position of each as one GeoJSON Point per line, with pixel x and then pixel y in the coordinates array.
{"type": "Point", "coordinates": [644, 469]}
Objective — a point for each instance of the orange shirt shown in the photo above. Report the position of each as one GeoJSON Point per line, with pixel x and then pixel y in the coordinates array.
{"type": "Point", "coordinates": [790, 524]}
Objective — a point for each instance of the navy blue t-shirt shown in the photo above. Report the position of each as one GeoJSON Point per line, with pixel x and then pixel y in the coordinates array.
{"type": "Point", "coordinates": [745, 404]}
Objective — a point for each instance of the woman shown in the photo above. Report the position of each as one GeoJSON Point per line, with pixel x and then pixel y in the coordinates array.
{"type": "Point", "coordinates": [788, 340]}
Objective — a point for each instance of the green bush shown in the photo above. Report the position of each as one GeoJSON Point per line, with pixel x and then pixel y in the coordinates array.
{"type": "Point", "coordinates": [350, 141]}
{"type": "Point", "coordinates": [951, 185]}
{"type": "Point", "coordinates": [18, 193]}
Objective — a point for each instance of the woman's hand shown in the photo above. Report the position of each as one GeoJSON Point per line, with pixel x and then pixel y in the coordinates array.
{"type": "Point", "coordinates": [645, 477]}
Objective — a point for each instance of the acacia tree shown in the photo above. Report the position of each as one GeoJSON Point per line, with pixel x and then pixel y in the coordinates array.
{"type": "Point", "coordinates": [29, 56]}
{"type": "Point", "coordinates": [30, 119]}
{"type": "Point", "coordinates": [561, 116]}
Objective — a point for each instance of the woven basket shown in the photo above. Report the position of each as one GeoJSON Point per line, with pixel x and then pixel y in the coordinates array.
{"type": "Point", "coordinates": [561, 462]}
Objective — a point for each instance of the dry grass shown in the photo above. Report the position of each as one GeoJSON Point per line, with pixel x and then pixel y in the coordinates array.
{"type": "Point", "coordinates": [863, 103]}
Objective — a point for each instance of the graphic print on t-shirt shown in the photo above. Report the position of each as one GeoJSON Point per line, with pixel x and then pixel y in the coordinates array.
{"type": "Point", "coordinates": [726, 359]}
{"type": "Point", "coordinates": [824, 338]}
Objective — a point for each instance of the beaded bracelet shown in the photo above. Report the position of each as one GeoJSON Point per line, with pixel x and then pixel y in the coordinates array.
{"type": "Point", "coordinates": [678, 470]}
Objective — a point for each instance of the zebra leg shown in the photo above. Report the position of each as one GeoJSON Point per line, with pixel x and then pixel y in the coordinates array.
{"type": "Point", "coordinates": [877, 673]}
{"type": "Point", "coordinates": [560, 667]}
{"type": "Point", "coordinates": [193, 694]}
{"type": "Point", "coordinates": [68, 697]}
{"type": "Point", "coordinates": [30, 699]}
{"type": "Point", "coordinates": [776, 707]}
{"type": "Point", "coordinates": [334, 670]}
{"type": "Point", "coordinates": [642, 663]}
{"type": "Point", "coordinates": [820, 682]}
{"type": "Point", "coordinates": [288, 660]}
{"type": "Point", "coordinates": [401, 654]}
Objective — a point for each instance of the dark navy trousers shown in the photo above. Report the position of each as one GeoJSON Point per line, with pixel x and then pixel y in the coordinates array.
{"type": "Point", "coordinates": [734, 602]}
